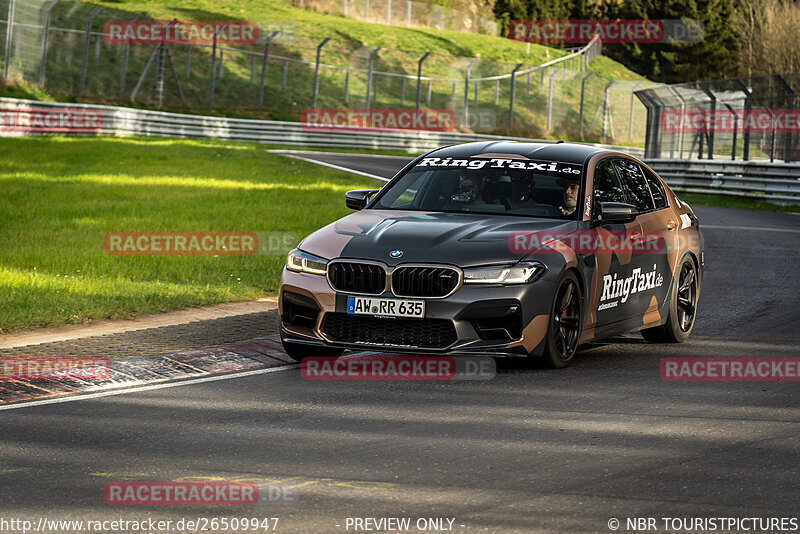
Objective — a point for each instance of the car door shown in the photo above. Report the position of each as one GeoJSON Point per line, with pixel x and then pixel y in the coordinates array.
{"type": "Point", "coordinates": [658, 238]}
{"type": "Point", "coordinates": [611, 299]}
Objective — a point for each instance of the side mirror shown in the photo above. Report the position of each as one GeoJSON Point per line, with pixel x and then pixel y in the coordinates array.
{"type": "Point", "coordinates": [616, 212]}
{"type": "Point", "coordinates": [357, 200]}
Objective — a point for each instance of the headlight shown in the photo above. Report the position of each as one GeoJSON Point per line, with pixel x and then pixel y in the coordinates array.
{"type": "Point", "coordinates": [519, 273]}
{"type": "Point", "coordinates": [300, 261]}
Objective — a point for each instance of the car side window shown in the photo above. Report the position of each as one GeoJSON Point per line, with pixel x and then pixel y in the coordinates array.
{"type": "Point", "coordinates": [657, 189]}
{"type": "Point", "coordinates": [635, 184]}
{"type": "Point", "coordinates": [607, 187]}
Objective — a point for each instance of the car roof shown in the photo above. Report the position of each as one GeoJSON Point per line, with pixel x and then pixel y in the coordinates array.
{"type": "Point", "coordinates": [562, 152]}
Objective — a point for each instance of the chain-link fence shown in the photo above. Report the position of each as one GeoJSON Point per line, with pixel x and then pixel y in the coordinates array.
{"type": "Point", "coordinates": [405, 13]}
{"type": "Point", "coordinates": [754, 118]}
{"type": "Point", "coordinates": [71, 50]}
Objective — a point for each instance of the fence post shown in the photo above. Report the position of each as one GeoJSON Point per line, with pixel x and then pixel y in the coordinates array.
{"type": "Point", "coordinates": [9, 35]}
{"type": "Point", "coordinates": [316, 72]}
{"type": "Point", "coordinates": [550, 98]}
{"type": "Point", "coordinates": [188, 61]}
{"type": "Point", "coordinates": [787, 156]}
{"type": "Point", "coordinates": [213, 66]}
{"type": "Point", "coordinates": [86, 49]}
{"type": "Point", "coordinates": [583, 90]}
{"type": "Point", "coordinates": [496, 91]}
{"type": "Point", "coordinates": [45, 36]}
{"type": "Point", "coordinates": [748, 106]}
{"type": "Point", "coordinates": [389, 12]}
{"type": "Point", "coordinates": [264, 59]}
{"type": "Point", "coordinates": [630, 114]}
{"type": "Point", "coordinates": [419, 76]}
{"type": "Point", "coordinates": [366, 10]}
{"type": "Point", "coordinates": [124, 71]}
{"type": "Point", "coordinates": [511, 96]}
{"type": "Point", "coordinates": [403, 82]}
{"type": "Point", "coordinates": [346, 85]}
{"type": "Point", "coordinates": [408, 13]}
{"type": "Point", "coordinates": [285, 73]}
{"type": "Point", "coordinates": [466, 91]}
{"type": "Point", "coordinates": [707, 90]}
{"type": "Point", "coordinates": [344, 7]}
{"type": "Point", "coordinates": [430, 90]}
{"type": "Point", "coordinates": [369, 73]}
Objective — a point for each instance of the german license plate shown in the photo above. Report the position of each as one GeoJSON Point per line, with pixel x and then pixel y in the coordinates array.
{"type": "Point", "coordinates": [385, 307]}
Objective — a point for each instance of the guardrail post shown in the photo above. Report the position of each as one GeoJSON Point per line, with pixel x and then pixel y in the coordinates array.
{"type": "Point", "coordinates": [369, 73]}
{"type": "Point", "coordinates": [86, 48]}
{"type": "Point", "coordinates": [419, 75]}
{"type": "Point", "coordinates": [45, 36]}
{"type": "Point", "coordinates": [583, 91]}
{"type": "Point", "coordinates": [124, 71]}
{"type": "Point", "coordinates": [316, 72]}
{"type": "Point", "coordinates": [9, 36]}
{"type": "Point", "coordinates": [264, 60]}
{"type": "Point", "coordinates": [511, 96]}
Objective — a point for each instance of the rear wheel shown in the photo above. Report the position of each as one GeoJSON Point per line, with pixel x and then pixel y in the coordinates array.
{"type": "Point", "coordinates": [682, 308]}
{"type": "Point", "coordinates": [298, 351]}
{"type": "Point", "coordinates": [564, 329]}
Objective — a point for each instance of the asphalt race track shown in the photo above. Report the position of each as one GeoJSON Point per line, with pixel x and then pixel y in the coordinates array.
{"type": "Point", "coordinates": [531, 450]}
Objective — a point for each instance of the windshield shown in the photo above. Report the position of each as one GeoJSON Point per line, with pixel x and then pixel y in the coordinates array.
{"type": "Point", "coordinates": [488, 185]}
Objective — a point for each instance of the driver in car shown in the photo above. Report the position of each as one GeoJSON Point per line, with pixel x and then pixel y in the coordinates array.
{"type": "Point", "coordinates": [570, 186]}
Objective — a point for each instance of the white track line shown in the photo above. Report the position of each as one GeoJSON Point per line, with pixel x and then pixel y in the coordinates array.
{"type": "Point", "coordinates": [322, 152]}
{"type": "Point", "coordinates": [136, 389]}
{"type": "Point", "coordinates": [754, 228]}
{"type": "Point", "coordinates": [332, 166]}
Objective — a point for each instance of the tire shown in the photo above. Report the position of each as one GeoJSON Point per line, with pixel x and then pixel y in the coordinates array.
{"type": "Point", "coordinates": [298, 351]}
{"type": "Point", "coordinates": [565, 324]}
{"type": "Point", "coordinates": [682, 307]}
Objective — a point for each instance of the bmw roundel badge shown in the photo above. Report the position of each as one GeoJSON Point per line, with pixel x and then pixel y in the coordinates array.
{"type": "Point", "coordinates": [396, 253]}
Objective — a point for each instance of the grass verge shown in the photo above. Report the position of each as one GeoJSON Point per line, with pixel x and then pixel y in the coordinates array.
{"type": "Point", "coordinates": [61, 196]}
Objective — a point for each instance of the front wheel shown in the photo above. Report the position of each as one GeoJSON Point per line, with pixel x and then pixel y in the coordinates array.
{"type": "Point", "coordinates": [682, 308]}
{"type": "Point", "coordinates": [298, 351]}
{"type": "Point", "coordinates": [564, 328]}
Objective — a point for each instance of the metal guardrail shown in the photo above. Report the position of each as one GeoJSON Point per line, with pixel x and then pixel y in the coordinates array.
{"type": "Point", "coordinates": [130, 121]}
{"type": "Point", "coordinates": [774, 182]}
{"type": "Point", "coordinates": [777, 182]}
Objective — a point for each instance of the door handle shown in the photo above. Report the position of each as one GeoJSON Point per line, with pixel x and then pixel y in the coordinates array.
{"type": "Point", "coordinates": [671, 225]}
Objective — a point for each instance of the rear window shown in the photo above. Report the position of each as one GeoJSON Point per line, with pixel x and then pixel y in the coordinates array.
{"type": "Point", "coordinates": [521, 187]}
{"type": "Point", "coordinates": [656, 189]}
{"type": "Point", "coordinates": [632, 178]}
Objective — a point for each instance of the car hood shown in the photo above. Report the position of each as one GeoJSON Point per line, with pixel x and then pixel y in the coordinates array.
{"type": "Point", "coordinates": [463, 239]}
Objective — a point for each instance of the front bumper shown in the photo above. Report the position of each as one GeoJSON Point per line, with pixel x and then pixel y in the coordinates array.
{"type": "Point", "coordinates": [491, 320]}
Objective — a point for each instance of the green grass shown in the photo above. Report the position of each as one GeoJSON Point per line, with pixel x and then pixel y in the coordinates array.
{"type": "Point", "coordinates": [61, 196]}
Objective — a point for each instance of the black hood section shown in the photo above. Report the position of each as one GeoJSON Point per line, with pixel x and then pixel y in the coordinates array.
{"type": "Point", "coordinates": [463, 239]}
